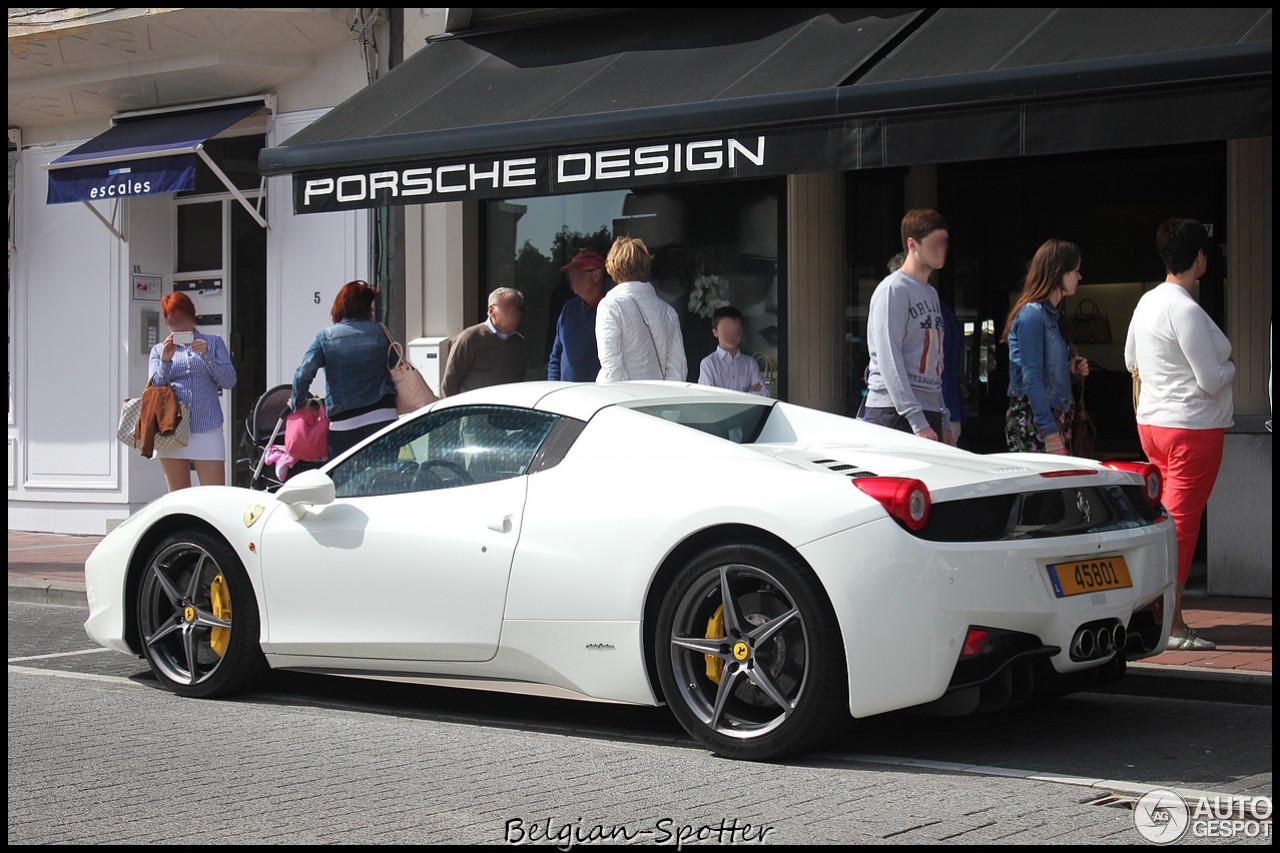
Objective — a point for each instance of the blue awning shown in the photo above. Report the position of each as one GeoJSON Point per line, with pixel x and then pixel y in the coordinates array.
{"type": "Point", "coordinates": [141, 155]}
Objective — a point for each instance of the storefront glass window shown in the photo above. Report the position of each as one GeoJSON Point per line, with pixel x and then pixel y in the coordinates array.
{"type": "Point", "coordinates": [199, 237]}
{"type": "Point", "coordinates": [711, 243]}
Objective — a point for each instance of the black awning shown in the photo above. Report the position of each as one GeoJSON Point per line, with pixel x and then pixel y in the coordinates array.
{"type": "Point", "coordinates": [608, 64]}
{"type": "Point", "coordinates": [632, 98]}
{"type": "Point", "coordinates": [966, 41]}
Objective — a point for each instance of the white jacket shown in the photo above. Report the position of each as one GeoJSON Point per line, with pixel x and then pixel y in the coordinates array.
{"type": "Point", "coordinates": [638, 336]}
{"type": "Point", "coordinates": [1183, 360]}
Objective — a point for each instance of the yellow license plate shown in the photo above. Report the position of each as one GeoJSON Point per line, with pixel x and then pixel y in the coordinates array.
{"type": "Point", "coordinates": [1096, 575]}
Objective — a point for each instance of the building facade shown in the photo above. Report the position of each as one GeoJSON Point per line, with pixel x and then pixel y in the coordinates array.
{"type": "Point", "coordinates": [86, 272]}
{"type": "Point", "coordinates": [767, 156]}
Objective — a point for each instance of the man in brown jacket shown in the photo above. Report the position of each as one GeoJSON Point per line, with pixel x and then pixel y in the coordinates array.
{"type": "Point", "coordinates": [489, 353]}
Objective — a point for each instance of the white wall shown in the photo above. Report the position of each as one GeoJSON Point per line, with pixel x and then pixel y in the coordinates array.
{"type": "Point", "coordinates": [335, 75]}
{"type": "Point", "coordinates": [439, 269]}
{"type": "Point", "coordinates": [69, 354]}
{"type": "Point", "coordinates": [419, 24]}
{"type": "Point", "coordinates": [306, 255]}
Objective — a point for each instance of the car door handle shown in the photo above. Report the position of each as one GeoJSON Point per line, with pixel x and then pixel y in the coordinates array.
{"type": "Point", "coordinates": [503, 526]}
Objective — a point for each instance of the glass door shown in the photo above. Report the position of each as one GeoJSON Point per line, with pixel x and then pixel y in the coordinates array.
{"type": "Point", "coordinates": [220, 263]}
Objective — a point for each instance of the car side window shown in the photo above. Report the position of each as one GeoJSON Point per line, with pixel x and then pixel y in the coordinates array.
{"type": "Point", "coordinates": [445, 449]}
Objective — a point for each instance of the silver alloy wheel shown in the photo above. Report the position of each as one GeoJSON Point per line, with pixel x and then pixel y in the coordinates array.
{"type": "Point", "coordinates": [764, 653]}
{"type": "Point", "coordinates": [177, 618]}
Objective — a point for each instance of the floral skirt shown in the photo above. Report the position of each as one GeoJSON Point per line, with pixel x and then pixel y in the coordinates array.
{"type": "Point", "coordinates": [1020, 427]}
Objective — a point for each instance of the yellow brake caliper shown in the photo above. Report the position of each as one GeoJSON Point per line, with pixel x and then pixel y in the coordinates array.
{"type": "Point", "coordinates": [220, 599]}
{"type": "Point", "coordinates": [715, 631]}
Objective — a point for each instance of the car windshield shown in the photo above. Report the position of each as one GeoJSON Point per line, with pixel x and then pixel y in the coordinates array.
{"type": "Point", "coordinates": [740, 423]}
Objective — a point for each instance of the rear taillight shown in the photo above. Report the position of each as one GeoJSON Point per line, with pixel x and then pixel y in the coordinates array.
{"type": "Point", "coordinates": [1152, 483]}
{"type": "Point", "coordinates": [974, 642]}
{"type": "Point", "coordinates": [905, 499]}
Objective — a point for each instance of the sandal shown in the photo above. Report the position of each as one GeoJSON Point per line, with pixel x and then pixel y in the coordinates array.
{"type": "Point", "coordinates": [1189, 640]}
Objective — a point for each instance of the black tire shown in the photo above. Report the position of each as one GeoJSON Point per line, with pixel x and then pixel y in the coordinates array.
{"type": "Point", "coordinates": [786, 645]}
{"type": "Point", "coordinates": [177, 625]}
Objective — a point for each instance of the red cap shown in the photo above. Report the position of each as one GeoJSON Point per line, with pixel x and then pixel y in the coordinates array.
{"type": "Point", "coordinates": [584, 261]}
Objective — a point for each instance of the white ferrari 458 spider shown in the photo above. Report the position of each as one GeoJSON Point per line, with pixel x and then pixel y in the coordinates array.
{"type": "Point", "coordinates": [765, 569]}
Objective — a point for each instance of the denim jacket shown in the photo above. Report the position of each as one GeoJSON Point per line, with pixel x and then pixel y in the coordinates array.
{"type": "Point", "coordinates": [1039, 364]}
{"type": "Point", "coordinates": [354, 356]}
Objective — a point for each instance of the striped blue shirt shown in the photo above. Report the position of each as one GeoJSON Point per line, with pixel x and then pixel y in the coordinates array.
{"type": "Point", "coordinates": [195, 379]}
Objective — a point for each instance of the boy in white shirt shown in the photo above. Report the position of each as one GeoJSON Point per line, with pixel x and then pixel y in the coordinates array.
{"type": "Point", "coordinates": [728, 366]}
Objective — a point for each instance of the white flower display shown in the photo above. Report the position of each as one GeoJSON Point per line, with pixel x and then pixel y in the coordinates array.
{"type": "Point", "coordinates": [709, 293]}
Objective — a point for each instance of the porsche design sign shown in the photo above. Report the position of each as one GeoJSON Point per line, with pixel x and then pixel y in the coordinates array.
{"type": "Point", "coordinates": [560, 171]}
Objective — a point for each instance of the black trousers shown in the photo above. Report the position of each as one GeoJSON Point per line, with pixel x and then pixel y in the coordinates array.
{"type": "Point", "coordinates": [342, 440]}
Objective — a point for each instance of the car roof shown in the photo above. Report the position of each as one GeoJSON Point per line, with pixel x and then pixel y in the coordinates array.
{"type": "Point", "coordinates": [582, 400]}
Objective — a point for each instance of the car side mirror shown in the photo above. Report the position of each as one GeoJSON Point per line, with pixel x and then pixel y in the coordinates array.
{"type": "Point", "coordinates": [309, 488]}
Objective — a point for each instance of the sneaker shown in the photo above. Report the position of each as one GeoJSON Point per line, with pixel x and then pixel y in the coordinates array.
{"type": "Point", "coordinates": [1189, 640]}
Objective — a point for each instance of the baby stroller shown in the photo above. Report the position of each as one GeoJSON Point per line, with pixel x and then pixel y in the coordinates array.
{"type": "Point", "coordinates": [263, 428]}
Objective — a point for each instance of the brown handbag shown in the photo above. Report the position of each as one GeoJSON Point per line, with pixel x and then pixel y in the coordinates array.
{"type": "Point", "coordinates": [1084, 432]}
{"type": "Point", "coordinates": [127, 427]}
{"type": "Point", "coordinates": [1091, 326]}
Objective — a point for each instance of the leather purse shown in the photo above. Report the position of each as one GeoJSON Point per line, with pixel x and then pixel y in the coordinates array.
{"type": "Point", "coordinates": [412, 390]}
{"type": "Point", "coordinates": [126, 427]}
{"type": "Point", "coordinates": [1084, 432]}
{"type": "Point", "coordinates": [1091, 326]}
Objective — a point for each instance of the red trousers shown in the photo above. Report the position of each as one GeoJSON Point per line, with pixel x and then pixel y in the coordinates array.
{"type": "Point", "coordinates": [1188, 460]}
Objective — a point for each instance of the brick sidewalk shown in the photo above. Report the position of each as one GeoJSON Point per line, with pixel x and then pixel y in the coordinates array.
{"type": "Point", "coordinates": [1240, 626]}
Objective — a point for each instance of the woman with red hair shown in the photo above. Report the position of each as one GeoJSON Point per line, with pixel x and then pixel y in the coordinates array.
{"type": "Point", "coordinates": [360, 397]}
{"type": "Point", "coordinates": [194, 365]}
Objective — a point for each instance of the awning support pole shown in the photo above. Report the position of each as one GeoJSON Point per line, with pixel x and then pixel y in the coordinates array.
{"type": "Point", "coordinates": [103, 219]}
{"type": "Point", "coordinates": [226, 182]}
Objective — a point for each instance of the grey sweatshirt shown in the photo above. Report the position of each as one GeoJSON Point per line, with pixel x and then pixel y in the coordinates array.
{"type": "Point", "coordinates": [904, 335]}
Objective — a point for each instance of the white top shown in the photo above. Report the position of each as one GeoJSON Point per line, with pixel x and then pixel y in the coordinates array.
{"type": "Point", "coordinates": [638, 336]}
{"type": "Point", "coordinates": [1182, 360]}
{"type": "Point", "coordinates": [735, 371]}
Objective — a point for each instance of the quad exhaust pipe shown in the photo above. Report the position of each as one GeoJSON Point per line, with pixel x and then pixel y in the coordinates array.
{"type": "Point", "coordinates": [1082, 644]}
{"type": "Point", "coordinates": [1098, 639]}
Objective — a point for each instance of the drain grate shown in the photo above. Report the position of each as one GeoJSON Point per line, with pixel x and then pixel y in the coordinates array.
{"type": "Point", "coordinates": [1115, 801]}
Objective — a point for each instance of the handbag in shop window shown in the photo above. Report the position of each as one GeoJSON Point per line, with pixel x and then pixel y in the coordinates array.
{"type": "Point", "coordinates": [1088, 325]}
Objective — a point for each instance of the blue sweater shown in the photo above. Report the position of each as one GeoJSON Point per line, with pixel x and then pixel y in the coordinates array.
{"type": "Point", "coordinates": [574, 357]}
